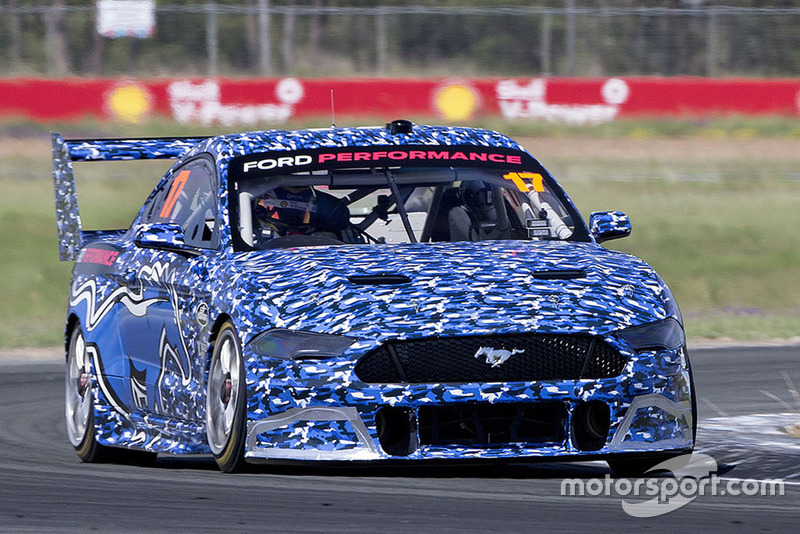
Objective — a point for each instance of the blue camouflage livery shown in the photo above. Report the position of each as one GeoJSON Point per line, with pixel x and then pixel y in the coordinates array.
{"type": "Point", "coordinates": [329, 328]}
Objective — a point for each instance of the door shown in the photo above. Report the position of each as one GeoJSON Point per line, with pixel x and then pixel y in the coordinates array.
{"type": "Point", "coordinates": [164, 340]}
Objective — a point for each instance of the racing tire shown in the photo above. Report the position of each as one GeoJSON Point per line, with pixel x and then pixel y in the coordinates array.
{"type": "Point", "coordinates": [79, 411]}
{"type": "Point", "coordinates": [79, 401]}
{"type": "Point", "coordinates": [694, 399]}
{"type": "Point", "coordinates": [225, 401]}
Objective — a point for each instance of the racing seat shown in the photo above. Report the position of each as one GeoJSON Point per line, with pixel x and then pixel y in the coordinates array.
{"type": "Point", "coordinates": [441, 231]}
{"type": "Point", "coordinates": [465, 215]}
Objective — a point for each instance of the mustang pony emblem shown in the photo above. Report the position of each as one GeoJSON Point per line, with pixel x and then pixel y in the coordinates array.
{"type": "Point", "coordinates": [496, 357]}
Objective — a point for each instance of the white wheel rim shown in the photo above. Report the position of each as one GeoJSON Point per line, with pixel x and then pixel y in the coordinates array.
{"type": "Point", "coordinates": [78, 391]}
{"type": "Point", "coordinates": [222, 394]}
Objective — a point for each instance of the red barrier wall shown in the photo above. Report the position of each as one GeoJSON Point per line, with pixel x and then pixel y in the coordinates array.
{"type": "Point", "coordinates": [242, 101]}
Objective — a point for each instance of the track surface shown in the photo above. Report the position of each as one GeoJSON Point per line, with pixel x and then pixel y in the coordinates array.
{"type": "Point", "coordinates": [45, 488]}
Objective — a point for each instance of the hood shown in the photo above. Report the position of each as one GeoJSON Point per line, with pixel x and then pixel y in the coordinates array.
{"type": "Point", "coordinates": [486, 287]}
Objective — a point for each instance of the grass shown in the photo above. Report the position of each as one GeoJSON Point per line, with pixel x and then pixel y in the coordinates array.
{"type": "Point", "coordinates": [720, 227]}
{"type": "Point", "coordinates": [733, 127]}
{"type": "Point", "coordinates": [736, 127]}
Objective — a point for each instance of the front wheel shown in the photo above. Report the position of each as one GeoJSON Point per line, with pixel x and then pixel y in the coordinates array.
{"type": "Point", "coordinates": [225, 401]}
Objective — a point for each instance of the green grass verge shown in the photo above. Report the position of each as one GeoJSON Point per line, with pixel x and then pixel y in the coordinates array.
{"type": "Point", "coordinates": [733, 127]}
{"type": "Point", "coordinates": [729, 126]}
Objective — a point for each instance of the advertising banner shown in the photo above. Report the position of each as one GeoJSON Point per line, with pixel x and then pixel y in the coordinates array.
{"type": "Point", "coordinates": [126, 18]}
{"type": "Point", "coordinates": [229, 101]}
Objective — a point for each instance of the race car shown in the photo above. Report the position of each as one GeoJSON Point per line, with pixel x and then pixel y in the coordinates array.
{"type": "Point", "coordinates": [400, 293]}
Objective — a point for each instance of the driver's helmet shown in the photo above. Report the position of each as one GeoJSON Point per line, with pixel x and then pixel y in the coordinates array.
{"type": "Point", "coordinates": [477, 198]}
{"type": "Point", "coordinates": [287, 210]}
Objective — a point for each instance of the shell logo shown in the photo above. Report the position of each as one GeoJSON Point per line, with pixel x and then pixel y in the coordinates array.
{"type": "Point", "coordinates": [129, 102]}
{"type": "Point", "coordinates": [456, 101]}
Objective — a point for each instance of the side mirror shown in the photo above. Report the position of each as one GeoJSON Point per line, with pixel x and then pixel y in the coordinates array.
{"type": "Point", "coordinates": [163, 236]}
{"type": "Point", "coordinates": [605, 225]}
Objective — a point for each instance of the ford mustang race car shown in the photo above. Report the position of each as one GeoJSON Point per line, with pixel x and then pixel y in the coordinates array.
{"type": "Point", "coordinates": [398, 293]}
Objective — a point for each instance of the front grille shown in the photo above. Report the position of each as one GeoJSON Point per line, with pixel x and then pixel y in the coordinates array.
{"type": "Point", "coordinates": [453, 359]}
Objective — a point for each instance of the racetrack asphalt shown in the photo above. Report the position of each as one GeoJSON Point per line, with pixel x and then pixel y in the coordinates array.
{"type": "Point", "coordinates": [46, 488]}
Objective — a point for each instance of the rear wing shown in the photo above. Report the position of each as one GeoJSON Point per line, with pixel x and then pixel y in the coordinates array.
{"type": "Point", "coordinates": [65, 151]}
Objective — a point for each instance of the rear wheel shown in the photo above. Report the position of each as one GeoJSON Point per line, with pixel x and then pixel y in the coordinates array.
{"type": "Point", "coordinates": [79, 410]}
{"type": "Point", "coordinates": [225, 401]}
{"type": "Point", "coordinates": [79, 402]}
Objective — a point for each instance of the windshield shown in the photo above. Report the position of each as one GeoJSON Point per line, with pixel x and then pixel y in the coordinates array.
{"type": "Point", "coordinates": [399, 205]}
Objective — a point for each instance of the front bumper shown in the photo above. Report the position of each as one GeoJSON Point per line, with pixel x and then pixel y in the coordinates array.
{"type": "Point", "coordinates": [321, 411]}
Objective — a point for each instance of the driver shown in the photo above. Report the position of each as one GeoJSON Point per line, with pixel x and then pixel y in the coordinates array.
{"type": "Point", "coordinates": [301, 211]}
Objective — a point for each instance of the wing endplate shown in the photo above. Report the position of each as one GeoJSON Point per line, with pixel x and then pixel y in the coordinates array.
{"type": "Point", "coordinates": [68, 219]}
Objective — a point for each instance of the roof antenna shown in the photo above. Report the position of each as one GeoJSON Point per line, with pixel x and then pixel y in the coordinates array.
{"type": "Point", "coordinates": [333, 117]}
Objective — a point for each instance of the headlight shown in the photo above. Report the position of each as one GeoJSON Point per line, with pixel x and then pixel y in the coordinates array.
{"type": "Point", "coordinates": [296, 345]}
{"type": "Point", "coordinates": [667, 334]}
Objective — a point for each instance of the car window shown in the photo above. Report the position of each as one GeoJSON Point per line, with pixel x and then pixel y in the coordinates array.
{"type": "Point", "coordinates": [189, 198]}
{"type": "Point", "coordinates": [414, 204]}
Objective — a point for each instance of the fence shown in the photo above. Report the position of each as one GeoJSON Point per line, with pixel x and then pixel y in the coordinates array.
{"type": "Point", "coordinates": [323, 38]}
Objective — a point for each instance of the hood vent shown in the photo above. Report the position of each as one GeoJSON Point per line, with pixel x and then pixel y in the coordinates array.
{"type": "Point", "coordinates": [379, 279]}
{"type": "Point", "coordinates": [563, 274]}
